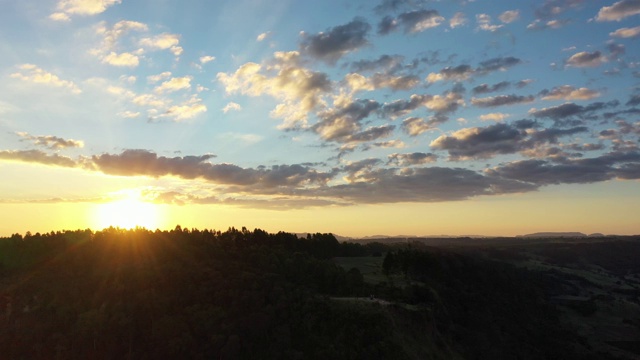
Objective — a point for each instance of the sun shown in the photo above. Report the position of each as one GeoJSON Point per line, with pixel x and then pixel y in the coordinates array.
{"type": "Point", "coordinates": [128, 213]}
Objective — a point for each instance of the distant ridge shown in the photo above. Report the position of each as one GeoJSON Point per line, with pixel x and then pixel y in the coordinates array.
{"type": "Point", "coordinates": [555, 234]}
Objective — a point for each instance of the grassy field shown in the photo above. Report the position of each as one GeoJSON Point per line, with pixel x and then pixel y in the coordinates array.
{"type": "Point", "coordinates": [369, 266]}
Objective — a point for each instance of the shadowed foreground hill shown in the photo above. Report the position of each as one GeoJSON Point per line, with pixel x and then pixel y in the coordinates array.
{"type": "Point", "coordinates": [138, 294]}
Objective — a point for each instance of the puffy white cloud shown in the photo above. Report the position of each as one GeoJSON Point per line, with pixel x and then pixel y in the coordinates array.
{"type": "Point", "coordinates": [174, 84]}
{"type": "Point", "coordinates": [81, 7]}
{"type": "Point", "coordinates": [568, 92]}
{"type": "Point", "coordinates": [34, 74]}
{"type": "Point", "coordinates": [122, 59]}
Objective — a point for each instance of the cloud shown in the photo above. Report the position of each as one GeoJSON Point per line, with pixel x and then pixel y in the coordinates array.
{"type": "Point", "coordinates": [37, 157]}
{"type": "Point", "coordinates": [501, 138]}
{"type": "Point", "coordinates": [480, 143]}
{"type": "Point", "coordinates": [284, 78]}
{"type": "Point", "coordinates": [122, 59]}
{"type": "Point", "coordinates": [484, 23]}
{"type": "Point", "coordinates": [341, 124]}
{"type": "Point", "coordinates": [634, 100]}
{"type": "Point", "coordinates": [263, 36]}
{"type": "Point", "coordinates": [416, 158]}
{"type": "Point", "coordinates": [50, 141]}
{"type": "Point", "coordinates": [231, 107]}
{"type": "Point", "coordinates": [66, 8]}
{"type": "Point", "coordinates": [188, 110]}
{"type": "Point", "coordinates": [568, 92]}
{"type": "Point", "coordinates": [412, 21]}
{"type": "Point", "coordinates": [32, 73]}
{"type": "Point", "coordinates": [494, 117]}
{"type": "Point", "coordinates": [569, 109]}
{"type": "Point", "coordinates": [336, 42]}
{"type": "Point", "coordinates": [464, 71]}
{"type": "Point", "coordinates": [163, 41]}
{"type": "Point", "coordinates": [586, 59]}
{"type": "Point", "coordinates": [458, 19]}
{"type": "Point", "coordinates": [147, 163]}
{"type": "Point", "coordinates": [431, 184]}
{"type": "Point", "coordinates": [387, 63]}
{"type": "Point", "coordinates": [576, 171]}
{"type": "Point", "coordinates": [484, 88]}
{"type": "Point", "coordinates": [551, 24]}
{"type": "Point", "coordinates": [415, 126]}
{"type": "Point", "coordinates": [386, 6]}
{"type": "Point", "coordinates": [619, 10]}
{"type": "Point", "coordinates": [502, 100]}
{"type": "Point", "coordinates": [207, 58]}
{"type": "Point", "coordinates": [175, 84]}
{"type": "Point", "coordinates": [152, 79]}
{"type": "Point", "coordinates": [626, 32]}
{"type": "Point", "coordinates": [509, 16]}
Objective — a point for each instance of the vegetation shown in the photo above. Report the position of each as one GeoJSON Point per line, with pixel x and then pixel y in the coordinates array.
{"type": "Point", "coordinates": [240, 294]}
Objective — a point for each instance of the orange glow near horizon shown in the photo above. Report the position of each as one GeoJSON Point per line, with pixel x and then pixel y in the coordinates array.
{"type": "Point", "coordinates": [128, 213]}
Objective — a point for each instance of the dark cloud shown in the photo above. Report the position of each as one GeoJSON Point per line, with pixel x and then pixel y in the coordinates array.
{"type": "Point", "coordinates": [586, 59]}
{"type": "Point", "coordinates": [495, 64]}
{"type": "Point", "coordinates": [633, 100]}
{"type": "Point", "coordinates": [502, 100]}
{"type": "Point", "coordinates": [428, 184]}
{"type": "Point", "coordinates": [570, 109]}
{"type": "Point", "coordinates": [552, 8]}
{"type": "Point", "coordinates": [372, 133]}
{"type": "Point", "coordinates": [484, 88]}
{"type": "Point", "coordinates": [50, 141]}
{"type": "Point", "coordinates": [37, 157]}
{"type": "Point", "coordinates": [481, 143]}
{"type": "Point", "coordinates": [616, 49]}
{"type": "Point", "coordinates": [387, 63]}
{"type": "Point", "coordinates": [336, 42]}
{"type": "Point", "coordinates": [147, 163]}
{"type": "Point", "coordinates": [577, 171]}
{"type": "Point", "coordinates": [340, 124]}
{"type": "Point", "coordinates": [416, 158]}
{"type": "Point", "coordinates": [501, 138]}
{"type": "Point", "coordinates": [412, 22]}
{"type": "Point", "coordinates": [387, 6]}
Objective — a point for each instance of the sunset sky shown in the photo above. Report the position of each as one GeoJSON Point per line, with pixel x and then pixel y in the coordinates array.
{"type": "Point", "coordinates": [355, 117]}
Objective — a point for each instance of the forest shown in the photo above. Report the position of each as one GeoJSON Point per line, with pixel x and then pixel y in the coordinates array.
{"type": "Point", "coordinates": [241, 294]}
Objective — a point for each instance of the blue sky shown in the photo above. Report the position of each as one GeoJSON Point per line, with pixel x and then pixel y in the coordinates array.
{"type": "Point", "coordinates": [296, 108]}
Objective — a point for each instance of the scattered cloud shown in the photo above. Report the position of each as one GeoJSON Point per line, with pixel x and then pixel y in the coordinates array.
{"type": "Point", "coordinates": [484, 23]}
{"type": "Point", "coordinates": [458, 19]}
{"type": "Point", "coordinates": [626, 32]}
{"type": "Point", "coordinates": [498, 117]}
{"type": "Point", "coordinates": [50, 141]}
{"type": "Point", "coordinates": [231, 107]}
{"type": "Point", "coordinates": [568, 92]}
{"type": "Point", "coordinates": [34, 74]}
{"type": "Point", "coordinates": [509, 16]}
{"type": "Point", "coordinates": [412, 22]}
{"type": "Point", "coordinates": [67, 8]}
{"type": "Point", "coordinates": [263, 36]}
{"type": "Point", "coordinates": [174, 84]}
{"type": "Point", "coordinates": [619, 10]}
{"type": "Point", "coordinates": [207, 58]}
{"type": "Point", "coordinates": [502, 100]}
{"type": "Point", "coordinates": [412, 159]}
{"type": "Point", "coordinates": [336, 42]}
{"type": "Point", "coordinates": [122, 59]}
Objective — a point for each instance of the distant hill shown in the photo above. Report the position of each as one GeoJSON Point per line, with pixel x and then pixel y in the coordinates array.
{"type": "Point", "coordinates": [554, 234]}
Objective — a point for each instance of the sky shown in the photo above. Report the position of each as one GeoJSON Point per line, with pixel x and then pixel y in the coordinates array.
{"type": "Point", "coordinates": [357, 117]}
